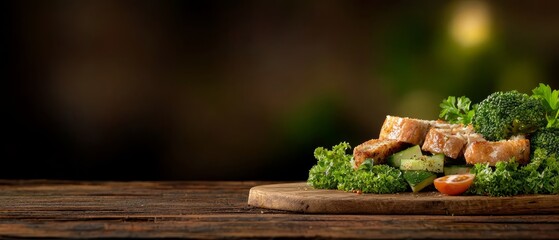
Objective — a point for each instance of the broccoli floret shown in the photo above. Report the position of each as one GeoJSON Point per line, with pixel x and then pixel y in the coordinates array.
{"type": "Point", "coordinates": [545, 138]}
{"type": "Point", "coordinates": [505, 114]}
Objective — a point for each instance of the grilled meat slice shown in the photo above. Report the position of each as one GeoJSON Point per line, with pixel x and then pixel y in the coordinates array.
{"type": "Point", "coordinates": [493, 152]}
{"type": "Point", "coordinates": [440, 141]}
{"type": "Point", "coordinates": [377, 149]}
{"type": "Point", "coordinates": [408, 130]}
{"type": "Point", "coordinates": [450, 139]}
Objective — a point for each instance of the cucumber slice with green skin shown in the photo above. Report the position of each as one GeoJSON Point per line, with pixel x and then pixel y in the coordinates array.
{"type": "Point", "coordinates": [413, 152]}
{"type": "Point", "coordinates": [418, 180]}
{"type": "Point", "coordinates": [433, 163]}
{"type": "Point", "coordinates": [456, 169]}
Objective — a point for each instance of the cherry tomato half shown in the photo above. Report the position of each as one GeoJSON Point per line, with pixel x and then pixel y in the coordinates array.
{"type": "Point", "coordinates": [454, 184]}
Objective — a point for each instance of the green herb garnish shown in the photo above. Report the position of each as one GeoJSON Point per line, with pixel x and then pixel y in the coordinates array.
{"type": "Point", "coordinates": [550, 101]}
{"type": "Point", "coordinates": [457, 110]}
{"type": "Point", "coordinates": [504, 180]}
{"type": "Point", "coordinates": [334, 170]}
{"type": "Point", "coordinates": [540, 176]}
{"type": "Point", "coordinates": [331, 167]}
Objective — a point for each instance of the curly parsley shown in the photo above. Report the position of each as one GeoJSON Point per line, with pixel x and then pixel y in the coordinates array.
{"type": "Point", "coordinates": [334, 170]}
{"type": "Point", "coordinates": [331, 167]}
{"type": "Point", "coordinates": [540, 176]}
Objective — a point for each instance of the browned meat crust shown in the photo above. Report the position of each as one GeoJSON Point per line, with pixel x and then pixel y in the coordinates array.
{"type": "Point", "coordinates": [440, 141]}
{"type": "Point", "coordinates": [450, 139]}
{"type": "Point", "coordinates": [493, 152]}
{"type": "Point", "coordinates": [377, 149]}
{"type": "Point", "coordinates": [408, 130]}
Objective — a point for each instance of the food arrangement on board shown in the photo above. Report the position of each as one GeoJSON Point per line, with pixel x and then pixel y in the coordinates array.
{"type": "Point", "coordinates": [506, 145]}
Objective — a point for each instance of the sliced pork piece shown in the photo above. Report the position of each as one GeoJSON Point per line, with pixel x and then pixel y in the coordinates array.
{"type": "Point", "coordinates": [408, 130]}
{"type": "Point", "coordinates": [493, 152]}
{"type": "Point", "coordinates": [449, 139]}
{"type": "Point", "coordinates": [442, 141]}
{"type": "Point", "coordinates": [377, 149]}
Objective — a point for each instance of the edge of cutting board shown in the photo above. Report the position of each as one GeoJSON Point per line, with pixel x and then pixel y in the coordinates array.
{"type": "Point", "coordinates": [299, 197]}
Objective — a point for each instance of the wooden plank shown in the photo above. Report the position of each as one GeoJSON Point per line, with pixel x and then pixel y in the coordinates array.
{"type": "Point", "coordinates": [210, 210]}
{"type": "Point", "coordinates": [292, 226]}
{"type": "Point", "coordinates": [299, 197]}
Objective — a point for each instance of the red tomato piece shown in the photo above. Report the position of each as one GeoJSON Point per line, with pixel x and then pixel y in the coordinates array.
{"type": "Point", "coordinates": [454, 184]}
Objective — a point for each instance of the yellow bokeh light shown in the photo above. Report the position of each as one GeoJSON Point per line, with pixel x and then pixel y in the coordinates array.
{"type": "Point", "coordinates": [470, 23]}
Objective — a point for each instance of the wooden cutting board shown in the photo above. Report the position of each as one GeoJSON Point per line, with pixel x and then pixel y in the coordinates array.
{"type": "Point", "coordinates": [299, 197]}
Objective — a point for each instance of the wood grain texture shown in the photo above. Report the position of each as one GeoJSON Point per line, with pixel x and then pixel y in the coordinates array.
{"type": "Point", "coordinates": [214, 210]}
{"type": "Point", "coordinates": [299, 197]}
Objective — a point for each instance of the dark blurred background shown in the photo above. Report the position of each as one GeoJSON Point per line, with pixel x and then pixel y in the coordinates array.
{"type": "Point", "coordinates": [245, 90]}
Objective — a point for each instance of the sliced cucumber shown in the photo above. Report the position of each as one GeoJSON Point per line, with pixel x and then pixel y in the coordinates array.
{"type": "Point", "coordinates": [413, 152]}
{"type": "Point", "coordinates": [433, 163]}
{"type": "Point", "coordinates": [418, 180]}
{"type": "Point", "coordinates": [456, 169]}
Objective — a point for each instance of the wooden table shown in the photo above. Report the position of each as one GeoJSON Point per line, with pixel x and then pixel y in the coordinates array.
{"type": "Point", "coordinates": [69, 209]}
